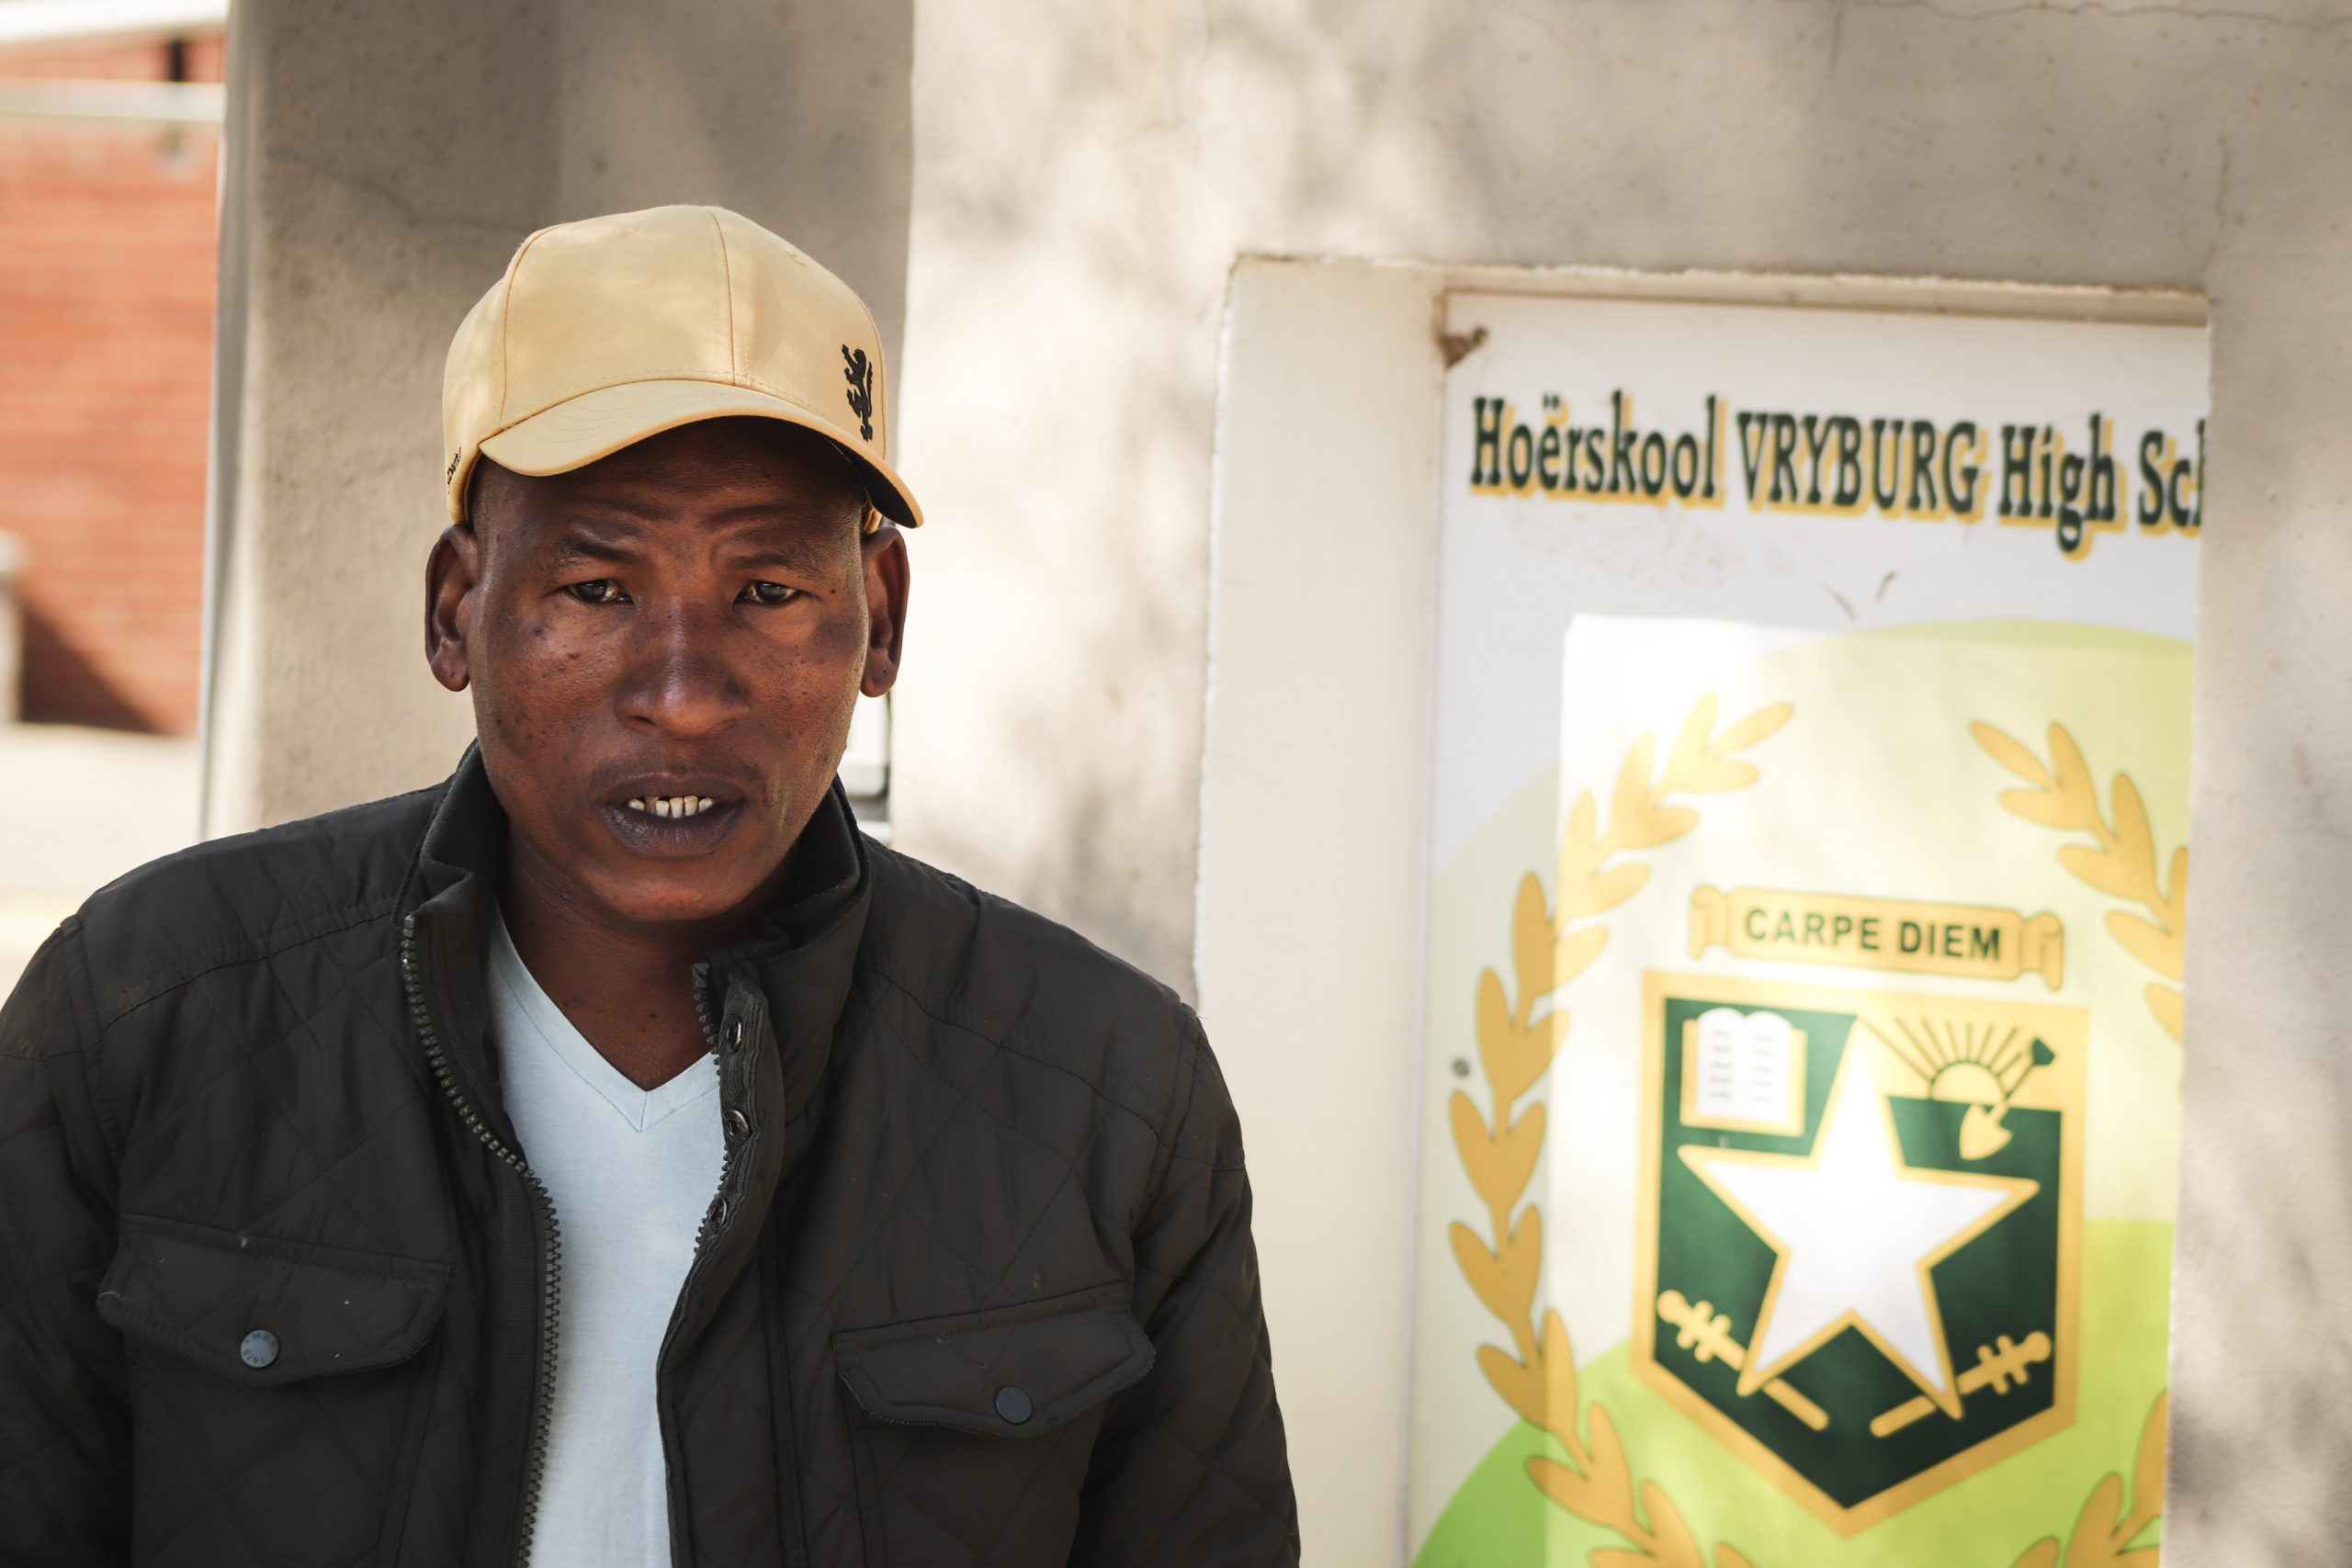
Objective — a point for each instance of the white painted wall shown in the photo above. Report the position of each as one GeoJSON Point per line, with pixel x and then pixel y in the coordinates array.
{"type": "Point", "coordinates": [1085, 177]}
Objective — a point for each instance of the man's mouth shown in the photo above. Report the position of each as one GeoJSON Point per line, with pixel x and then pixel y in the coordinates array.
{"type": "Point", "coordinates": [676, 816]}
{"type": "Point", "coordinates": [672, 806]}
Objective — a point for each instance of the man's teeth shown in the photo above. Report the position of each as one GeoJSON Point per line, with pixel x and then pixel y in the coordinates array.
{"type": "Point", "coordinates": [672, 806]}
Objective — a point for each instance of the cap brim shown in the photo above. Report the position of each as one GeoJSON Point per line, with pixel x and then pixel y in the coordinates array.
{"type": "Point", "coordinates": [575, 432]}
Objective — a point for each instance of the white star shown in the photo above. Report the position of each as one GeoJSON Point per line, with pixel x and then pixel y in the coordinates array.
{"type": "Point", "coordinates": [1857, 1231]}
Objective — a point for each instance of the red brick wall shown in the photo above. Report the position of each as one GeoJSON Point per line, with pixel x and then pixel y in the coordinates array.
{"type": "Point", "coordinates": [107, 264]}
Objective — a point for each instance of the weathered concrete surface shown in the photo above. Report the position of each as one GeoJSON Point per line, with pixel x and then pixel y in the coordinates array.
{"type": "Point", "coordinates": [1071, 242]}
{"type": "Point", "coordinates": [383, 162]}
{"type": "Point", "coordinates": [1085, 176]}
{"type": "Point", "coordinates": [12, 628]}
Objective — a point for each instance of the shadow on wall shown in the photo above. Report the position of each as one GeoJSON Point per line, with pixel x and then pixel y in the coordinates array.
{"type": "Point", "coordinates": [1076, 237]}
{"type": "Point", "coordinates": [1073, 233]}
{"type": "Point", "coordinates": [62, 685]}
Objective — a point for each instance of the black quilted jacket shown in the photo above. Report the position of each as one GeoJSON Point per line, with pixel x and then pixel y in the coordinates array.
{"type": "Point", "coordinates": [277, 1286]}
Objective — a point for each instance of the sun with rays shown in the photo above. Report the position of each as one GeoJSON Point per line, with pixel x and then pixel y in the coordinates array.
{"type": "Point", "coordinates": [1979, 1064]}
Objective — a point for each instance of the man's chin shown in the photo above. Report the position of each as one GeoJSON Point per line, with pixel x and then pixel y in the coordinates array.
{"type": "Point", "coordinates": [659, 901]}
{"type": "Point", "coordinates": [721, 884]}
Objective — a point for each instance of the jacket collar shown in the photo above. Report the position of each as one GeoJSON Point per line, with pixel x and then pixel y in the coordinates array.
{"type": "Point", "coordinates": [801, 961]}
{"type": "Point", "coordinates": [797, 967]}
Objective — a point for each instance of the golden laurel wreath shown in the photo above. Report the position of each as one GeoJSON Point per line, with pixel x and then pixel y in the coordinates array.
{"type": "Point", "coordinates": [1515, 1048]}
{"type": "Point", "coordinates": [1549, 949]}
{"type": "Point", "coordinates": [2103, 1532]}
{"type": "Point", "coordinates": [2122, 864]}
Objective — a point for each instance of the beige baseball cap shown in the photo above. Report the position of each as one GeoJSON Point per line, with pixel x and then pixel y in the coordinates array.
{"type": "Point", "coordinates": [610, 329]}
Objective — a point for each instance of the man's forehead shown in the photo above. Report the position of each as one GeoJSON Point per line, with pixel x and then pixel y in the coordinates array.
{"type": "Point", "coordinates": [731, 468]}
{"type": "Point", "coordinates": [721, 452]}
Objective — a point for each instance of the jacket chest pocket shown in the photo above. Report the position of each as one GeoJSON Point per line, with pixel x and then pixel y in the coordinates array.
{"type": "Point", "coordinates": [273, 1418]}
{"type": "Point", "coordinates": [972, 1433]}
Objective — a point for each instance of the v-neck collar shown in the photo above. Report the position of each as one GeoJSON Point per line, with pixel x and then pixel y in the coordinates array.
{"type": "Point", "coordinates": [799, 964]}
{"type": "Point", "coordinates": [642, 1108]}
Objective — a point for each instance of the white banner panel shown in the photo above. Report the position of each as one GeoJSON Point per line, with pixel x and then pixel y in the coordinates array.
{"type": "Point", "coordinates": [1802, 1054]}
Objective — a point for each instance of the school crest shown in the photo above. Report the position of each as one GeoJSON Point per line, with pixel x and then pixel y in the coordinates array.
{"type": "Point", "coordinates": [1859, 1230]}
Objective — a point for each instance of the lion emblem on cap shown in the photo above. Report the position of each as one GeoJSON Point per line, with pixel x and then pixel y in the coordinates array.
{"type": "Point", "coordinates": [860, 377]}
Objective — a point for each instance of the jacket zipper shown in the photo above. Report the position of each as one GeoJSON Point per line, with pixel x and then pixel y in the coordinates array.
{"type": "Point", "coordinates": [712, 1216]}
{"type": "Point", "coordinates": [551, 1277]}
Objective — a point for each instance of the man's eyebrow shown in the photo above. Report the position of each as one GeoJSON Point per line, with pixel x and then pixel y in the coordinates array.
{"type": "Point", "coordinates": [792, 555]}
{"type": "Point", "coordinates": [578, 544]}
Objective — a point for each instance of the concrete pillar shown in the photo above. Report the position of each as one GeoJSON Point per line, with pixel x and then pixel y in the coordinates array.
{"type": "Point", "coordinates": [12, 629]}
{"type": "Point", "coordinates": [382, 162]}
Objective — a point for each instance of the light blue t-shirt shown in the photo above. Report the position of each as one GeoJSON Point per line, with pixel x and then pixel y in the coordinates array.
{"type": "Point", "coordinates": [631, 1172]}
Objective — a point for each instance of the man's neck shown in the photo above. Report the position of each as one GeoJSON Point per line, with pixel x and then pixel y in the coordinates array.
{"type": "Point", "coordinates": [628, 988]}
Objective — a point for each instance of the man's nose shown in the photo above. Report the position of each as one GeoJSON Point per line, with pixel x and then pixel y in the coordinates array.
{"type": "Point", "coordinates": [679, 681]}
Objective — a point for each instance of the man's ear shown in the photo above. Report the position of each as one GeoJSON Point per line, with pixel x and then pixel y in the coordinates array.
{"type": "Point", "coordinates": [452, 573]}
{"type": "Point", "coordinates": [886, 607]}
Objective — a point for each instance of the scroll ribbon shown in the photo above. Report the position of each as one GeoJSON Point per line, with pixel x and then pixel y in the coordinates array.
{"type": "Point", "coordinates": [1971, 941]}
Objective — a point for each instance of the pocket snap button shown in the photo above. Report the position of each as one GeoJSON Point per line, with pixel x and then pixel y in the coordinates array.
{"type": "Point", "coordinates": [258, 1348]}
{"type": "Point", "coordinates": [1012, 1403]}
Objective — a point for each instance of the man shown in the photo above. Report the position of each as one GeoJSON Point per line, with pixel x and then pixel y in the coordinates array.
{"type": "Point", "coordinates": [609, 1156]}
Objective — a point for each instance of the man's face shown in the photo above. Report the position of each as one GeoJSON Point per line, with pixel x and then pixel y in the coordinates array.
{"type": "Point", "coordinates": [664, 649]}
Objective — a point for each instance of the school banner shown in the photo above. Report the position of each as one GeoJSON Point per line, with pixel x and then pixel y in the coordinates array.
{"type": "Point", "coordinates": [1803, 980]}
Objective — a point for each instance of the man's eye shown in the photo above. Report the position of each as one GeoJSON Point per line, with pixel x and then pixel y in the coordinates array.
{"type": "Point", "coordinates": [768, 593]}
{"type": "Point", "coordinates": [603, 590]}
